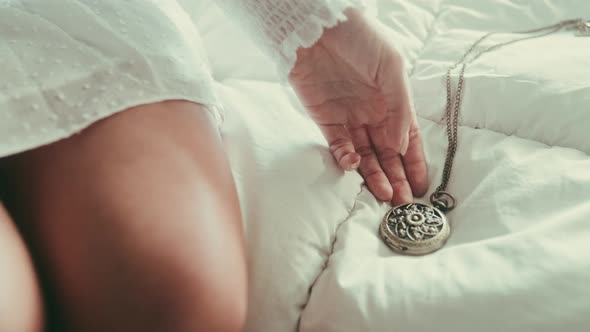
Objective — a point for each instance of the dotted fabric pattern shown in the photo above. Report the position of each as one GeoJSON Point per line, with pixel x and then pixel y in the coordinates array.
{"type": "Point", "coordinates": [66, 64]}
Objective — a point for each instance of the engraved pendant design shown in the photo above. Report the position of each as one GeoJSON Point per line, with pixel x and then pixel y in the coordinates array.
{"type": "Point", "coordinates": [415, 229]}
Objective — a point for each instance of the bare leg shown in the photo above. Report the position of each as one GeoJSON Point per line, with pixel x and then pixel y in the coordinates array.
{"type": "Point", "coordinates": [20, 300]}
{"type": "Point", "coordinates": [138, 220]}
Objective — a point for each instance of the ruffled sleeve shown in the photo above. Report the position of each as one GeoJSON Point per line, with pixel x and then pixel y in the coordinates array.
{"type": "Point", "coordinates": [283, 26]}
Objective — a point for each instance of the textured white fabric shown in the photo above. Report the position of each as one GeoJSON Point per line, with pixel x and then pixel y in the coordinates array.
{"type": "Point", "coordinates": [64, 64]}
{"type": "Point", "coordinates": [519, 256]}
{"type": "Point", "coordinates": [68, 63]}
{"type": "Point", "coordinates": [283, 26]}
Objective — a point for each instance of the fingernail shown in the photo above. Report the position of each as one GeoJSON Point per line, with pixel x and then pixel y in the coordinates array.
{"type": "Point", "coordinates": [354, 167]}
{"type": "Point", "coordinates": [405, 143]}
{"type": "Point", "coordinates": [350, 162]}
{"type": "Point", "coordinates": [356, 164]}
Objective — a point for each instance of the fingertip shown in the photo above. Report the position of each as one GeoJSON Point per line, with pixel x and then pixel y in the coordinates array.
{"type": "Point", "coordinates": [383, 191]}
{"type": "Point", "coordinates": [351, 161]}
{"type": "Point", "coordinates": [418, 178]}
{"type": "Point", "coordinates": [420, 188]}
{"type": "Point", "coordinates": [403, 193]}
{"type": "Point", "coordinates": [355, 161]}
{"type": "Point", "coordinates": [401, 198]}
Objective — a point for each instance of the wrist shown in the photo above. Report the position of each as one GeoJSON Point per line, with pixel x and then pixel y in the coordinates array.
{"type": "Point", "coordinates": [344, 32]}
{"type": "Point", "coordinates": [356, 23]}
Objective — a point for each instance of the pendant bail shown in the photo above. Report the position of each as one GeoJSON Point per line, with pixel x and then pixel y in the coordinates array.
{"type": "Point", "coordinates": [443, 200]}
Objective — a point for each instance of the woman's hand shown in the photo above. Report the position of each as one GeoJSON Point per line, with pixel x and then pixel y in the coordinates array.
{"type": "Point", "coordinates": [352, 83]}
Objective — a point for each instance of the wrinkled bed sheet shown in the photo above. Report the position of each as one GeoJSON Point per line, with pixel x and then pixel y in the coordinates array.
{"type": "Point", "coordinates": [519, 255]}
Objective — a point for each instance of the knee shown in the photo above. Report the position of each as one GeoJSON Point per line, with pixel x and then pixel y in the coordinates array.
{"type": "Point", "coordinates": [200, 285]}
{"type": "Point", "coordinates": [204, 298]}
{"type": "Point", "coordinates": [220, 305]}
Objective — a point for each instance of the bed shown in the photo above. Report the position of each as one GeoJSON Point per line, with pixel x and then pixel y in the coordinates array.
{"type": "Point", "coordinates": [519, 255]}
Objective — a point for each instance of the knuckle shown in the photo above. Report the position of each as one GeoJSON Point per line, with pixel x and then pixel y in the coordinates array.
{"type": "Point", "coordinates": [414, 132]}
{"type": "Point", "coordinates": [338, 144]}
{"type": "Point", "coordinates": [371, 173]}
{"type": "Point", "coordinates": [399, 182]}
{"type": "Point", "coordinates": [387, 154]}
{"type": "Point", "coordinates": [382, 124]}
{"type": "Point", "coordinates": [414, 163]}
{"type": "Point", "coordinates": [365, 151]}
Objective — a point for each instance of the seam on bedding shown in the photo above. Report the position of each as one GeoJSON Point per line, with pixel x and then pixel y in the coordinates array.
{"type": "Point", "coordinates": [349, 215]}
{"type": "Point", "coordinates": [327, 261]}
{"type": "Point", "coordinates": [429, 35]}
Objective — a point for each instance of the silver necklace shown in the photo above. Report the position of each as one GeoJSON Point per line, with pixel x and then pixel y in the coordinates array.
{"type": "Point", "coordinates": [419, 229]}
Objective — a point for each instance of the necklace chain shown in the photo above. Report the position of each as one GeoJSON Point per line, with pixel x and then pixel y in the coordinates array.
{"type": "Point", "coordinates": [440, 198]}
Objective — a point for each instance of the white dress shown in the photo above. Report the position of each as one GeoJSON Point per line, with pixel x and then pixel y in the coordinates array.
{"type": "Point", "coordinates": [65, 64]}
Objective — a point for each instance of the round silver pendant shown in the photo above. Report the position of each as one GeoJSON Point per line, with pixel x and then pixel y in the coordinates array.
{"type": "Point", "coordinates": [415, 229]}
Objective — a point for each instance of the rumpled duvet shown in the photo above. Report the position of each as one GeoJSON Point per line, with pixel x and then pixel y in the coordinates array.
{"type": "Point", "coordinates": [519, 255]}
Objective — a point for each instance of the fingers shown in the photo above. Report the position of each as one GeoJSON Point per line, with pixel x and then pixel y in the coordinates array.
{"type": "Point", "coordinates": [369, 166]}
{"type": "Point", "coordinates": [407, 174]}
{"type": "Point", "coordinates": [390, 160]}
{"type": "Point", "coordinates": [399, 134]}
{"type": "Point", "coordinates": [341, 146]}
{"type": "Point", "coordinates": [415, 162]}
{"type": "Point", "coordinates": [397, 103]}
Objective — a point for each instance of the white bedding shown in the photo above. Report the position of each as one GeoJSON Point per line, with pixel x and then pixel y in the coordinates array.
{"type": "Point", "coordinates": [519, 255]}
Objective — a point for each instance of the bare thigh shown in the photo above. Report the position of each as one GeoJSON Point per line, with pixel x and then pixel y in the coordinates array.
{"type": "Point", "coordinates": [137, 223]}
{"type": "Point", "coordinates": [20, 300]}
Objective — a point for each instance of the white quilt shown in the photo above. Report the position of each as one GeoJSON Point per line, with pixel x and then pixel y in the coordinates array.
{"type": "Point", "coordinates": [519, 255]}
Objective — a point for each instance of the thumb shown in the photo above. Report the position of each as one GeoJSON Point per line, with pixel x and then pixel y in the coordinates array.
{"type": "Point", "coordinates": [341, 146]}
